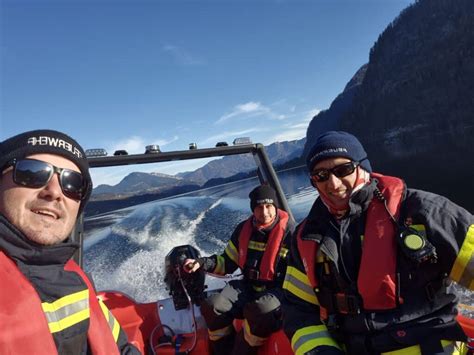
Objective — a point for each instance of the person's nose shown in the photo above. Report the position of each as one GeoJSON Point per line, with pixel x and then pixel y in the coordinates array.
{"type": "Point", "coordinates": [333, 182]}
{"type": "Point", "coordinates": [52, 190]}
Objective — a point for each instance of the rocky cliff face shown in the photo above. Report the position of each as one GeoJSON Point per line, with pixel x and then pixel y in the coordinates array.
{"type": "Point", "coordinates": [330, 119]}
{"type": "Point", "coordinates": [414, 107]}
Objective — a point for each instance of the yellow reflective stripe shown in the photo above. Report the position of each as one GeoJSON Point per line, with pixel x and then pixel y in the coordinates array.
{"type": "Point", "coordinates": [232, 252]}
{"type": "Point", "coordinates": [283, 252]}
{"type": "Point", "coordinates": [113, 323]}
{"type": "Point", "coordinates": [418, 227]}
{"type": "Point", "coordinates": [259, 246]}
{"type": "Point", "coordinates": [448, 347]}
{"type": "Point", "coordinates": [463, 268]}
{"type": "Point", "coordinates": [67, 322]}
{"type": "Point", "coordinates": [65, 301]}
{"type": "Point", "coordinates": [253, 340]}
{"type": "Point", "coordinates": [298, 284]}
{"type": "Point", "coordinates": [220, 267]}
{"type": "Point", "coordinates": [220, 333]}
{"type": "Point", "coordinates": [311, 337]}
{"type": "Point", "coordinates": [67, 311]}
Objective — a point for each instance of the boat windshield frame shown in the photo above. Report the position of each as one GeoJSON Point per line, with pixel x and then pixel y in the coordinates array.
{"type": "Point", "coordinates": [264, 168]}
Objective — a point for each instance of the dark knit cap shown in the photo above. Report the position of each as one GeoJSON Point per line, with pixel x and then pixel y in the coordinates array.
{"type": "Point", "coordinates": [334, 144]}
{"type": "Point", "coordinates": [263, 194]}
{"type": "Point", "coordinates": [46, 142]}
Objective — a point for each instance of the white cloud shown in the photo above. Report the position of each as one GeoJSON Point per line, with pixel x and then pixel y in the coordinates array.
{"type": "Point", "coordinates": [136, 144]}
{"type": "Point", "coordinates": [294, 130]}
{"type": "Point", "coordinates": [250, 109]}
{"type": "Point", "coordinates": [181, 56]}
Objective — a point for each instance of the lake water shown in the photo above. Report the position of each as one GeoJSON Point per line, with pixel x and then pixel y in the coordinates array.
{"type": "Point", "coordinates": [125, 249]}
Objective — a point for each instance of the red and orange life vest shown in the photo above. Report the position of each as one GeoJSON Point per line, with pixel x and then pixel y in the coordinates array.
{"type": "Point", "coordinates": [25, 329]}
{"type": "Point", "coordinates": [376, 280]}
{"type": "Point", "coordinates": [275, 238]}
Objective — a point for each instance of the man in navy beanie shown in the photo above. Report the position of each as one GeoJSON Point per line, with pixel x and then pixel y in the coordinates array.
{"type": "Point", "coordinates": [371, 265]}
{"type": "Point", "coordinates": [48, 305]}
{"type": "Point", "coordinates": [259, 247]}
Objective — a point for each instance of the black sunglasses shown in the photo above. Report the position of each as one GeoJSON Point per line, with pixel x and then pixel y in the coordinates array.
{"type": "Point", "coordinates": [36, 173]}
{"type": "Point", "coordinates": [321, 175]}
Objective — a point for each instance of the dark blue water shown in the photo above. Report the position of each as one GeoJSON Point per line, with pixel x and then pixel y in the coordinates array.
{"type": "Point", "coordinates": [125, 249]}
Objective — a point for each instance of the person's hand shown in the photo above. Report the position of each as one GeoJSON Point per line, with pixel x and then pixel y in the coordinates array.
{"type": "Point", "coordinates": [191, 265]}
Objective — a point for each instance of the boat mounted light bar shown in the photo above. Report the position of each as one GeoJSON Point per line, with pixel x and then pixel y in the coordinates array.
{"type": "Point", "coordinates": [265, 171]}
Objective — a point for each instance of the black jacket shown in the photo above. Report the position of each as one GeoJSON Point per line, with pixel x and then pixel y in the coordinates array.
{"type": "Point", "coordinates": [428, 297]}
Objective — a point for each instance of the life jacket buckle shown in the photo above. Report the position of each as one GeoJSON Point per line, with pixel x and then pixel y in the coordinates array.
{"type": "Point", "coordinates": [347, 304]}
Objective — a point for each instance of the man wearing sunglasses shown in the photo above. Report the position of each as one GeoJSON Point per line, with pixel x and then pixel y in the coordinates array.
{"type": "Point", "coordinates": [47, 303]}
{"type": "Point", "coordinates": [371, 266]}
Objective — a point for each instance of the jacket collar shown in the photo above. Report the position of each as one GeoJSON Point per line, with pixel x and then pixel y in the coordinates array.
{"type": "Point", "coordinates": [319, 215]}
{"type": "Point", "coordinates": [15, 244]}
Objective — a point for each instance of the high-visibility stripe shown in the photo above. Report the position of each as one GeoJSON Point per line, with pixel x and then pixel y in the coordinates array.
{"type": "Point", "coordinates": [67, 322]}
{"type": "Point", "coordinates": [113, 323]}
{"type": "Point", "coordinates": [463, 268]}
{"type": "Point", "coordinates": [418, 227]}
{"type": "Point", "coordinates": [232, 252]}
{"type": "Point", "coordinates": [298, 284]}
{"type": "Point", "coordinates": [220, 333]}
{"type": "Point", "coordinates": [220, 267]}
{"type": "Point", "coordinates": [448, 347]}
{"type": "Point", "coordinates": [65, 301]}
{"type": "Point", "coordinates": [67, 311]}
{"type": "Point", "coordinates": [251, 339]}
{"type": "Point", "coordinates": [259, 246]}
{"type": "Point", "coordinates": [308, 338]}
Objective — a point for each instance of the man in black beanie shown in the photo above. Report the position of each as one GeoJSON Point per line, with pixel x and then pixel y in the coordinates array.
{"type": "Point", "coordinates": [371, 265]}
{"type": "Point", "coordinates": [259, 247]}
{"type": "Point", "coordinates": [47, 303]}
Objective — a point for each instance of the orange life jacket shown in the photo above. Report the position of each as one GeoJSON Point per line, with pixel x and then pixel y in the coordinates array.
{"type": "Point", "coordinates": [25, 329]}
{"type": "Point", "coordinates": [376, 279]}
{"type": "Point", "coordinates": [270, 255]}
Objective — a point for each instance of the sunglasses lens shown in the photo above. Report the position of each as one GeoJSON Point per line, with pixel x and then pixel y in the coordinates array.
{"type": "Point", "coordinates": [320, 176]}
{"type": "Point", "coordinates": [344, 169]}
{"type": "Point", "coordinates": [338, 171]}
{"type": "Point", "coordinates": [32, 173]}
{"type": "Point", "coordinates": [35, 174]}
{"type": "Point", "coordinates": [72, 184]}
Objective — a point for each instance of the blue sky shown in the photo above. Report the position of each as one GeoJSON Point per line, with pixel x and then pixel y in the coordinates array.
{"type": "Point", "coordinates": [121, 74]}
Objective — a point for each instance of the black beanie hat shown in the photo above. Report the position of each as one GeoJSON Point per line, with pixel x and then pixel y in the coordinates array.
{"type": "Point", "coordinates": [263, 194]}
{"type": "Point", "coordinates": [334, 144]}
{"type": "Point", "coordinates": [49, 142]}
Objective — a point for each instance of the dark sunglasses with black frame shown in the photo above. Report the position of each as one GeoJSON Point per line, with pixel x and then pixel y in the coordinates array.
{"type": "Point", "coordinates": [341, 170]}
{"type": "Point", "coordinates": [34, 174]}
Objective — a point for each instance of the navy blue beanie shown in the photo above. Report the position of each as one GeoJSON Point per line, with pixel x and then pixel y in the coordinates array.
{"type": "Point", "coordinates": [334, 144]}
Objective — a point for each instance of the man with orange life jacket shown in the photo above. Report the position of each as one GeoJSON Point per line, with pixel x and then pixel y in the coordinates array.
{"type": "Point", "coordinates": [47, 303]}
{"type": "Point", "coordinates": [371, 266]}
{"type": "Point", "coordinates": [259, 247]}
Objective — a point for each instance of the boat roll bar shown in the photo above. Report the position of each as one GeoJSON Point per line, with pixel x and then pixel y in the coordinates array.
{"type": "Point", "coordinates": [264, 167]}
